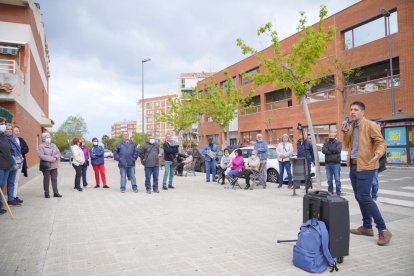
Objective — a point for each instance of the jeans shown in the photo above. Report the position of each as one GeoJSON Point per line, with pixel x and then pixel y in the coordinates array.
{"type": "Point", "coordinates": [78, 175]}
{"type": "Point", "coordinates": [84, 170]}
{"type": "Point", "coordinates": [168, 173]}
{"type": "Point", "coordinates": [131, 173]}
{"type": "Point", "coordinates": [4, 174]}
{"type": "Point", "coordinates": [99, 170]}
{"type": "Point", "coordinates": [361, 184]}
{"type": "Point", "coordinates": [154, 171]}
{"type": "Point", "coordinates": [374, 190]}
{"type": "Point", "coordinates": [210, 168]}
{"type": "Point", "coordinates": [282, 166]}
{"type": "Point", "coordinates": [10, 184]}
{"type": "Point", "coordinates": [333, 171]}
{"type": "Point", "coordinates": [16, 181]}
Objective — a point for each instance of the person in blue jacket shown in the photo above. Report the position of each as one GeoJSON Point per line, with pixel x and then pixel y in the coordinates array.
{"type": "Point", "coordinates": [98, 163]}
{"type": "Point", "coordinates": [210, 152]}
{"type": "Point", "coordinates": [306, 145]}
{"type": "Point", "coordinates": [126, 153]}
{"type": "Point", "coordinates": [261, 148]}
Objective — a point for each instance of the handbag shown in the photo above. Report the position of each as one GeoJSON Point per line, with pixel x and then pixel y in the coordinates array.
{"type": "Point", "coordinates": [44, 165]}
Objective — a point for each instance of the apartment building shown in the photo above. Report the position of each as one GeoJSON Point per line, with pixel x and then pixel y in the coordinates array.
{"type": "Point", "coordinates": [187, 82]}
{"type": "Point", "coordinates": [119, 127]}
{"type": "Point", "coordinates": [24, 73]}
{"type": "Point", "coordinates": [372, 35]}
{"type": "Point", "coordinates": [153, 107]}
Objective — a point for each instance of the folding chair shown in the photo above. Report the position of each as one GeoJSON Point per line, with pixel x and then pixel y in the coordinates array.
{"type": "Point", "coordinates": [254, 178]}
{"type": "Point", "coordinates": [233, 181]}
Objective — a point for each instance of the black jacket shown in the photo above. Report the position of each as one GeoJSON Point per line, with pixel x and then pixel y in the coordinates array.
{"type": "Point", "coordinates": [332, 151]}
{"type": "Point", "coordinates": [24, 149]}
{"type": "Point", "coordinates": [6, 161]}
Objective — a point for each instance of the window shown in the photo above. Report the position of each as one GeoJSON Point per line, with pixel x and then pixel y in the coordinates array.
{"type": "Point", "coordinates": [278, 99]}
{"type": "Point", "coordinates": [255, 106]}
{"type": "Point", "coordinates": [370, 31]}
{"type": "Point", "coordinates": [275, 135]}
{"type": "Point", "coordinates": [321, 132]}
{"type": "Point", "coordinates": [244, 77]}
{"type": "Point", "coordinates": [182, 83]}
{"type": "Point", "coordinates": [249, 136]}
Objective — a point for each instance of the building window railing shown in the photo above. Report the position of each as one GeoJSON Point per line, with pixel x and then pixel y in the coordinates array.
{"type": "Point", "coordinates": [278, 104]}
{"type": "Point", "coordinates": [320, 96]}
{"type": "Point", "coordinates": [372, 85]}
{"type": "Point", "coordinates": [251, 110]}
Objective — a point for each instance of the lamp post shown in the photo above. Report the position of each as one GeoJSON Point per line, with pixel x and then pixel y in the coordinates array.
{"type": "Point", "coordinates": [142, 102]}
{"type": "Point", "coordinates": [387, 14]}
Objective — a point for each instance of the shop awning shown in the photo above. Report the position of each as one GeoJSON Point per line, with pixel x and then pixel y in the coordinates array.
{"type": "Point", "coordinates": [8, 50]}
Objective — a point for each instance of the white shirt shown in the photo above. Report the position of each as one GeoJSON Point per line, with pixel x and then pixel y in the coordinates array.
{"type": "Point", "coordinates": [78, 155]}
{"type": "Point", "coordinates": [286, 149]}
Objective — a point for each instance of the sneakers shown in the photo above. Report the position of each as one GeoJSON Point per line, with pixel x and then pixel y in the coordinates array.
{"type": "Point", "coordinates": [148, 191]}
{"type": "Point", "coordinates": [122, 191]}
{"type": "Point", "coordinates": [164, 188]}
{"type": "Point", "coordinates": [290, 186]}
{"type": "Point", "coordinates": [77, 189]}
{"type": "Point", "coordinates": [18, 199]}
{"type": "Point", "coordinates": [135, 190]}
{"type": "Point", "coordinates": [279, 186]}
{"type": "Point", "coordinates": [106, 186]}
{"type": "Point", "coordinates": [47, 196]}
{"type": "Point", "coordinates": [156, 191]}
{"type": "Point", "coordinates": [2, 211]}
{"type": "Point", "coordinates": [384, 237]}
{"type": "Point", "coordinates": [57, 195]}
{"type": "Point", "coordinates": [13, 203]}
{"type": "Point", "coordinates": [171, 187]}
{"type": "Point", "coordinates": [97, 186]}
{"type": "Point", "coordinates": [362, 231]}
{"type": "Point", "coordinates": [87, 186]}
{"type": "Point", "coordinates": [247, 187]}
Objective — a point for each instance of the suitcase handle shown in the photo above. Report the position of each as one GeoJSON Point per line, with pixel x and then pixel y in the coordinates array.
{"type": "Point", "coordinates": [322, 192]}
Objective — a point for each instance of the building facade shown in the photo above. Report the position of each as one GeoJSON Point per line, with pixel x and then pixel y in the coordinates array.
{"type": "Point", "coordinates": [371, 35]}
{"type": "Point", "coordinates": [119, 127]}
{"type": "Point", "coordinates": [24, 73]}
{"type": "Point", "coordinates": [153, 107]}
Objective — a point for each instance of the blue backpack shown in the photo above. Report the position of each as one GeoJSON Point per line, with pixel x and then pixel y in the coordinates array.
{"type": "Point", "coordinates": [311, 252]}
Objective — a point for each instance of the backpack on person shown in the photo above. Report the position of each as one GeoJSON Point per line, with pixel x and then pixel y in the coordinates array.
{"type": "Point", "coordinates": [311, 252]}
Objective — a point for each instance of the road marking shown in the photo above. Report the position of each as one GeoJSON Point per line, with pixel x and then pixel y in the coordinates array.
{"type": "Point", "coordinates": [408, 188]}
{"type": "Point", "coordinates": [399, 202]}
{"type": "Point", "coordinates": [380, 191]}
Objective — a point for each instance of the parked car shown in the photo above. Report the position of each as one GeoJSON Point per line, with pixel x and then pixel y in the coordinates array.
{"type": "Point", "coordinates": [108, 154]}
{"type": "Point", "coordinates": [66, 156]}
{"type": "Point", "coordinates": [344, 155]}
{"type": "Point", "coordinates": [272, 164]}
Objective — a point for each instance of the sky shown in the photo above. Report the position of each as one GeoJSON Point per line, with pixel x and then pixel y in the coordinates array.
{"type": "Point", "coordinates": [96, 48]}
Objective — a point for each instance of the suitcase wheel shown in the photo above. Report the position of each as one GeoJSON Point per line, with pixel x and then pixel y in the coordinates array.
{"type": "Point", "coordinates": [340, 260]}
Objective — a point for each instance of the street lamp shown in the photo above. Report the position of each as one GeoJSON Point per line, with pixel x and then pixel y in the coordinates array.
{"type": "Point", "coordinates": [142, 102]}
{"type": "Point", "coordinates": [386, 14]}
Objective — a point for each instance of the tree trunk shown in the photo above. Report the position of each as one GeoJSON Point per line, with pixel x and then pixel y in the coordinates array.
{"type": "Point", "coordinates": [312, 133]}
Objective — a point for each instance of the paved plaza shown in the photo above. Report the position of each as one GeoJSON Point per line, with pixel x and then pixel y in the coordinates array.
{"type": "Point", "coordinates": [197, 229]}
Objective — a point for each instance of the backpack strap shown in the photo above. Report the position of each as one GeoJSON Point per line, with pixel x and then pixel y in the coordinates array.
{"type": "Point", "coordinates": [325, 246]}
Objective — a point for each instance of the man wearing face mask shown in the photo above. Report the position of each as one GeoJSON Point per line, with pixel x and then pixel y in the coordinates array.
{"type": "Point", "coordinates": [97, 160]}
{"type": "Point", "coordinates": [332, 150]}
{"type": "Point", "coordinates": [149, 158]}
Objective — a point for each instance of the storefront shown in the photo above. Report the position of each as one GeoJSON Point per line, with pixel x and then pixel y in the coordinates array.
{"type": "Point", "coordinates": [398, 131]}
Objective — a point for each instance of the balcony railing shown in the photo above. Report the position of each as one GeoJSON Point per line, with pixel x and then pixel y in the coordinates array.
{"type": "Point", "coordinates": [372, 85]}
{"type": "Point", "coordinates": [320, 96]}
{"type": "Point", "coordinates": [8, 66]}
{"type": "Point", "coordinates": [251, 110]}
{"type": "Point", "coordinates": [278, 104]}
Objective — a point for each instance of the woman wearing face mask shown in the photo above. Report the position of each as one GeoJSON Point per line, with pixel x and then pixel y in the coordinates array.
{"type": "Point", "coordinates": [148, 153]}
{"type": "Point", "coordinates": [253, 164]}
{"type": "Point", "coordinates": [224, 164]}
{"type": "Point", "coordinates": [97, 160]}
{"type": "Point", "coordinates": [18, 162]}
{"type": "Point", "coordinates": [78, 162]}
{"type": "Point", "coordinates": [49, 152]}
{"type": "Point", "coordinates": [285, 150]}
{"type": "Point", "coordinates": [6, 161]}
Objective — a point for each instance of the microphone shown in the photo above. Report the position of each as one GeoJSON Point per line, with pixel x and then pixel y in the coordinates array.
{"type": "Point", "coordinates": [345, 127]}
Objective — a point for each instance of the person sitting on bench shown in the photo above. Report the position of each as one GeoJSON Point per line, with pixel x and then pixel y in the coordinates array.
{"type": "Point", "coordinates": [253, 163]}
{"type": "Point", "coordinates": [236, 164]}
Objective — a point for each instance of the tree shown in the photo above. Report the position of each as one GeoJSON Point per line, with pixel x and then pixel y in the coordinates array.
{"type": "Point", "coordinates": [60, 139]}
{"type": "Point", "coordinates": [221, 103]}
{"type": "Point", "coordinates": [74, 126]}
{"type": "Point", "coordinates": [106, 141]}
{"type": "Point", "coordinates": [295, 70]}
{"type": "Point", "coordinates": [182, 113]}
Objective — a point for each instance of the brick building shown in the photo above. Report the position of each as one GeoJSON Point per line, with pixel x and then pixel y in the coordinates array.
{"type": "Point", "coordinates": [362, 39]}
{"type": "Point", "coordinates": [119, 127]}
{"type": "Point", "coordinates": [24, 73]}
{"type": "Point", "coordinates": [153, 107]}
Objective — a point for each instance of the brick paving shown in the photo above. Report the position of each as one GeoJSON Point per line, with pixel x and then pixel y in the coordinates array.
{"type": "Point", "coordinates": [197, 229]}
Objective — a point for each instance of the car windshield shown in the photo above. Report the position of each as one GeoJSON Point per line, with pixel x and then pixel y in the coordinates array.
{"type": "Point", "coordinates": [271, 153]}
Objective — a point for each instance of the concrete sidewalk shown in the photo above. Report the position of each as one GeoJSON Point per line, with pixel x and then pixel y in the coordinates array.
{"type": "Point", "coordinates": [197, 229]}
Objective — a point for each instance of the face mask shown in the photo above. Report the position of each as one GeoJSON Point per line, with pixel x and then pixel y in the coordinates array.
{"type": "Point", "coordinates": [80, 144]}
{"type": "Point", "coordinates": [226, 154]}
{"type": "Point", "coordinates": [331, 139]}
{"type": "Point", "coordinates": [152, 141]}
{"type": "Point", "coordinates": [253, 155]}
{"type": "Point", "coordinates": [48, 140]}
{"type": "Point", "coordinates": [2, 128]}
{"type": "Point", "coordinates": [95, 143]}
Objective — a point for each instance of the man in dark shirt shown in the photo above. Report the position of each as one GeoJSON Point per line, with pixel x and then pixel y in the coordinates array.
{"type": "Point", "coordinates": [332, 150]}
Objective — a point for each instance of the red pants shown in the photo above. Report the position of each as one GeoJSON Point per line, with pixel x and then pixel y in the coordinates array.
{"type": "Point", "coordinates": [99, 169]}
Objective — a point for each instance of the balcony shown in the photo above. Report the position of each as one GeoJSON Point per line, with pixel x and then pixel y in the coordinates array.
{"type": "Point", "coordinates": [10, 78]}
{"type": "Point", "coordinates": [372, 85]}
{"type": "Point", "coordinates": [278, 104]}
{"type": "Point", "coordinates": [251, 110]}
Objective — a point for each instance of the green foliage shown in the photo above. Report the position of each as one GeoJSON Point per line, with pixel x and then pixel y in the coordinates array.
{"type": "Point", "coordinates": [74, 126]}
{"type": "Point", "coordinates": [222, 101]}
{"type": "Point", "coordinates": [293, 70]}
{"type": "Point", "coordinates": [182, 112]}
{"type": "Point", "coordinates": [108, 142]}
{"type": "Point", "coordinates": [60, 139]}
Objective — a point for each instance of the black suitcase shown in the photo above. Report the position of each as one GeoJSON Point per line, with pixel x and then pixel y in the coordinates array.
{"type": "Point", "coordinates": [334, 211]}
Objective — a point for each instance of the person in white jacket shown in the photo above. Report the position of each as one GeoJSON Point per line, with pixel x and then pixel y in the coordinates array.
{"type": "Point", "coordinates": [284, 151]}
{"type": "Point", "coordinates": [77, 163]}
